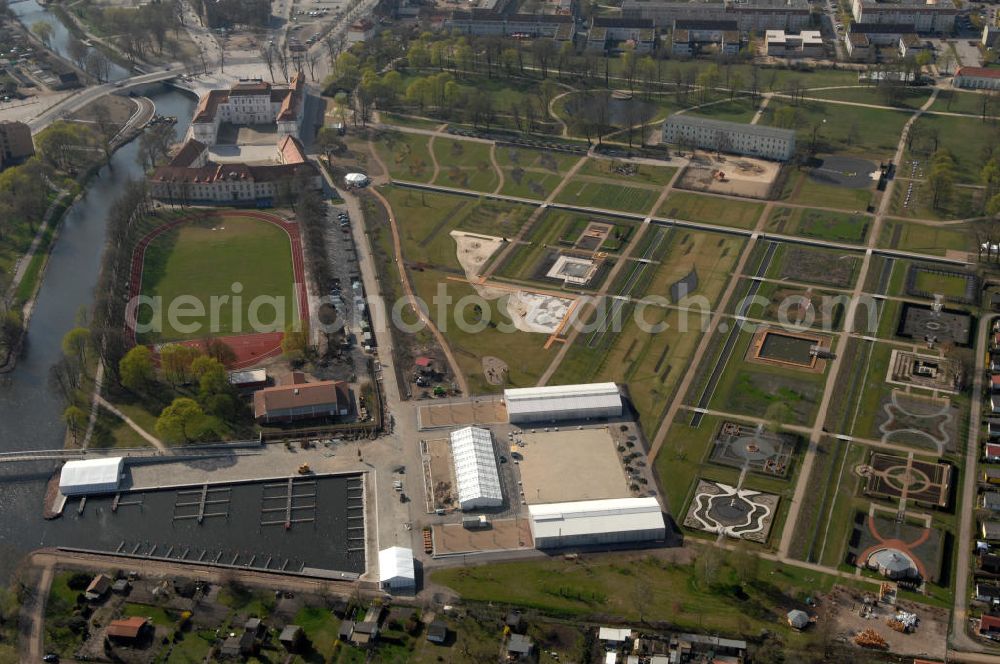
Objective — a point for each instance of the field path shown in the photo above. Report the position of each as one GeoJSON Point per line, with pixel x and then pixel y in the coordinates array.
{"type": "Point", "coordinates": [404, 278]}
{"type": "Point", "coordinates": [496, 167]}
{"type": "Point", "coordinates": [430, 150]}
{"type": "Point", "coordinates": [539, 211]}
{"type": "Point", "coordinates": [579, 315]}
{"type": "Point", "coordinates": [802, 485]}
{"type": "Point", "coordinates": [148, 437]}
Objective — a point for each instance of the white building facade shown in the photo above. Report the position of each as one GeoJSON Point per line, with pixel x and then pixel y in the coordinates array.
{"type": "Point", "coordinates": [746, 139]}
{"type": "Point", "coordinates": [563, 402]}
{"type": "Point", "coordinates": [91, 476]}
{"type": "Point", "coordinates": [596, 522]}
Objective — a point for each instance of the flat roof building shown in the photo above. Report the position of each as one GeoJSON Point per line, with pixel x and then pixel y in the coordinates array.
{"type": "Point", "coordinates": [16, 143]}
{"type": "Point", "coordinates": [563, 402]}
{"type": "Point", "coordinates": [596, 522]}
{"type": "Point", "coordinates": [750, 16]}
{"type": "Point", "coordinates": [781, 44]}
{"type": "Point", "coordinates": [927, 16]}
{"type": "Point", "coordinates": [91, 476]}
{"type": "Point", "coordinates": [396, 571]}
{"type": "Point", "coordinates": [692, 131]}
{"type": "Point", "coordinates": [475, 469]}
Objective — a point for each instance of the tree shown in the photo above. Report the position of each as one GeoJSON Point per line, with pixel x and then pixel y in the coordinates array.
{"type": "Point", "coordinates": [136, 370]}
{"type": "Point", "coordinates": [182, 421]}
{"type": "Point", "coordinates": [941, 179]}
{"type": "Point", "coordinates": [75, 419]}
{"type": "Point", "coordinates": [176, 360]}
{"type": "Point", "coordinates": [43, 31]}
{"type": "Point", "coordinates": [75, 345]}
{"type": "Point", "coordinates": [154, 145]}
{"type": "Point", "coordinates": [295, 342]}
{"type": "Point", "coordinates": [330, 142]}
{"type": "Point", "coordinates": [76, 50]}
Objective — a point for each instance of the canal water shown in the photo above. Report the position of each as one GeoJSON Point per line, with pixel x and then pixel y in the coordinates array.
{"type": "Point", "coordinates": [30, 413]}
{"type": "Point", "coordinates": [30, 12]}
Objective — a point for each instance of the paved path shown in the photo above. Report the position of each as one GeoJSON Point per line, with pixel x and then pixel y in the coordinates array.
{"type": "Point", "coordinates": [803, 484]}
{"type": "Point", "coordinates": [967, 521]}
{"type": "Point", "coordinates": [608, 282]}
{"type": "Point", "coordinates": [148, 437]}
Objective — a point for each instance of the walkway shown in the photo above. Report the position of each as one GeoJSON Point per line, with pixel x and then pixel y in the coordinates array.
{"type": "Point", "coordinates": [791, 519]}
{"type": "Point", "coordinates": [148, 437]}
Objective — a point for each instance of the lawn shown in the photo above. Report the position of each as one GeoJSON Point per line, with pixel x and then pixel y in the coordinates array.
{"type": "Point", "coordinates": [626, 587]}
{"type": "Point", "coordinates": [968, 140]}
{"type": "Point", "coordinates": [192, 267]}
{"type": "Point", "coordinates": [464, 164]}
{"type": "Point", "coordinates": [822, 224]}
{"type": "Point", "coordinates": [522, 351]}
{"type": "Point", "coordinates": [964, 202]}
{"type": "Point", "coordinates": [802, 189]}
{"type": "Point", "coordinates": [955, 101]}
{"type": "Point", "coordinates": [622, 171]}
{"type": "Point", "coordinates": [405, 155]}
{"type": "Point", "coordinates": [425, 220]}
{"type": "Point", "coordinates": [926, 238]}
{"type": "Point", "coordinates": [741, 109]}
{"type": "Point", "coordinates": [946, 284]}
{"type": "Point", "coordinates": [841, 128]}
{"type": "Point", "coordinates": [711, 209]}
{"type": "Point", "coordinates": [532, 173]}
{"type": "Point", "coordinates": [586, 191]}
{"type": "Point", "coordinates": [908, 98]}
{"type": "Point", "coordinates": [635, 350]}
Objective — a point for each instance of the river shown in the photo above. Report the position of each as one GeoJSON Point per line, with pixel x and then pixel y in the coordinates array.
{"type": "Point", "coordinates": [30, 413]}
{"type": "Point", "coordinates": [30, 12]}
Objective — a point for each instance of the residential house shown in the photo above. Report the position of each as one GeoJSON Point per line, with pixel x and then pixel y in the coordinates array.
{"type": "Point", "coordinates": [98, 588]}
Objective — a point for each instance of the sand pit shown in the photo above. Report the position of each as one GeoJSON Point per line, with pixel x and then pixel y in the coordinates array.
{"type": "Point", "coordinates": [495, 370]}
{"type": "Point", "coordinates": [529, 311]}
{"type": "Point", "coordinates": [737, 176]}
{"type": "Point", "coordinates": [475, 250]}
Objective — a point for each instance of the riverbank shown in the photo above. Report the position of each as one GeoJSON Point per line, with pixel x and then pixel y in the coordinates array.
{"type": "Point", "coordinates": [27, 282]}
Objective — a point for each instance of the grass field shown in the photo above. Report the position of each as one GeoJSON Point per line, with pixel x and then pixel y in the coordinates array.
{"type": "Point", "coordinates": [804, 190]}
{"type": "Point", "coordinates": [405, 155]}
{"type": "Point", "coordinates": [735, 110]}
{"type": "Point", "coordinates": [532, 173]}
{"type": "Point", "coordinates": [955, 101]}
{"type": "Point", "coordinates": [964, 202]}
{"type": "Point", "coordinates": [624, 588]}
{"type": "Point", "coordinates": [652, 360]}
{"type": "Point", "coordinates": [925, 238]}
{"type": "Point", "coordinates": [711, 209]}
{"type": "Point", "coordinates": [465, 164]}
{"type": "Point", "coordinates": [590, 192]}
{"type": "Point", "coordinates": [425, 220]}
{"type": "Point", "coordinates": [823, 224]}
{"type": "Point", "coordinates": [964, 138]}
{"type": "Point", "coordinates": [841, 128]}
{"type": "Point", "coordinates": [203, 259]}
{"type": "Point", "coordinates": [644, 173]}
{"type": "Point", "coordinates": [910, 97]}
{"type": "Point", "coordinates": [945, 284]}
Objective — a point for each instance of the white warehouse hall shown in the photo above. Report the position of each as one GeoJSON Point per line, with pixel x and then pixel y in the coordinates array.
{"type": "Point", "coordinates": [476, 476]}
{"type": "Point", "coordinates": [563, 402]}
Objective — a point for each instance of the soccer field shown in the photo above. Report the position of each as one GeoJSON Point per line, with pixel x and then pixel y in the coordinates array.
{"type": "Point", "coordinates": [222, 274]}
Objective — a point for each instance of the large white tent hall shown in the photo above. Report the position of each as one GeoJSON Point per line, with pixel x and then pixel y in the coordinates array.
{"type": "Point", "coordinates": [563, 402]}
{"type": "Point", "coordinates": [91, 476]}
{"type": "Point", "coordinates": [475, 469]}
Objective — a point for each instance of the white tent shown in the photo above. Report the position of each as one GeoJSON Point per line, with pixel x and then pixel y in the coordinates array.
{"type": "Point", "coordinates": [596, 522]}
{"type": "Point", "coordinates": [92, 476]}
{"type": "Point", "coordinates": [475, 468]}
{"type": "Point", "coordinates": [563, 402]}
{"type": "Point", "coordinates": [355, 179]}
{"type": "Point", "coordinates": [395, 569]}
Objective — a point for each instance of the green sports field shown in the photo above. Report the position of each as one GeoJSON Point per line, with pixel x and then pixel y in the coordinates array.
{"type": "Point", "coordinates": [205, 258]}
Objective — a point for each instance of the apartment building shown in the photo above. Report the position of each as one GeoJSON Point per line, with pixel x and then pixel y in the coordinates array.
{"type": "Point", "coordinates": [480, 22]}
{"type": "Point", "coordinates": [691, 131]}
{"type": "Point", "coordinates": [690, 37]}
{"type": "Point", "coordinates": [750, 16]}
{"type": "Point", "coordinates": [926, 16]}
{"type": "Point", "coordinates": [781, 44]}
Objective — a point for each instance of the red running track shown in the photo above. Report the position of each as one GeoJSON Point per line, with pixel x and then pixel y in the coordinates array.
{"type": "Point", "coordinates": [250, 349]}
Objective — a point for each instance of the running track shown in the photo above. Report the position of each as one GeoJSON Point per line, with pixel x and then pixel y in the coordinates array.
{"type": "Point", "coordinates": [250, 349]}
